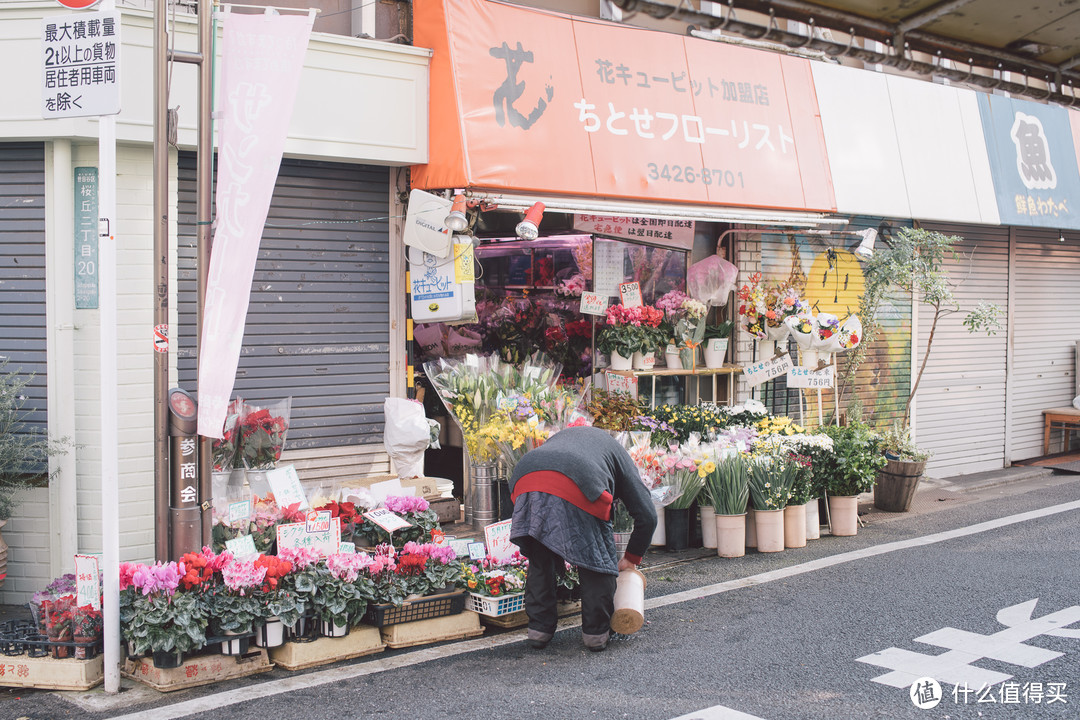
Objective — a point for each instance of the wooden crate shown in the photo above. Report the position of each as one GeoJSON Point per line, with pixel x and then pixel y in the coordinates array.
{"type": "Point", "coordinates": [50, 674]}
{"type": "Point", "coordinates": [520, 619]}
{"type": "Point", "coordinates": [448, 510]}
{"type": "Point", "coordinates": [420, 632]}
{"type": "Point", "coordinates": [197, 670]}
{"type": "Point", "coordinates": [361, 640]}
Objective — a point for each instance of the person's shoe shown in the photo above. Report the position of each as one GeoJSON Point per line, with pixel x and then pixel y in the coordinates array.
{"type": "Point", "coordinates": [596, 643]}
{"type": "Point", "coordinates": [538, 640]}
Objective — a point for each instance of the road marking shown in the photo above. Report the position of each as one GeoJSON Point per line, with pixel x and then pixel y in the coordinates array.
{"type": "Point", "coordinates": [257, 691]}
{"type": "Point", "coordinates": [717, 712]}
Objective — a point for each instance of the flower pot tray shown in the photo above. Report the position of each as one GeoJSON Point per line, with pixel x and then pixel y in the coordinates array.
{"type": "Point", "coordinates": [51, 674]}
{"type": "Point", "coordinates": [421, 632]}
{"type": "Point", "coordinates": [197, 670]}
{"type": "Point", "coordinates": [423, 608]}
{"type": "Point", "coordinates": [520, 619]}
{"type": "Point", "coordinates": [361, 640]}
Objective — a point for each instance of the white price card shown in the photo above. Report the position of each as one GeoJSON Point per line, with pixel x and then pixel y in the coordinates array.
{"type": "Point", "coordinates": [295, 535]}
{"type": "Point", "coordinates": [477, 551]}
{"type": "Point", "coordinates": [630, 294]}
{"type": "Point", "coordinates": [497, 539]}
{"type": "Point", "coordinates": [87, 584]}
{"type": "Point", "coordinates": [346, 548]}
{"type": "Point", "coordinates": [759, 372]}
{"type": "Point", "coordinates": [593, 303]}
{"type": "Point", "coordinates": [239, 510]}
{"type": "Point", "coordinates": [317, 521]}
{"type": "Point", "coordinates": [461, 546]}
{"type": "Point", "coordinates": [621, 383]}
{"type": "Point", "coordinates": [241, 547]}
{"type": "Point", "coordinates": [804, 377]}
{"type": "Point", "coordinates": [285, 484]}
{"type": "Point", "coordinates": [387, 520]}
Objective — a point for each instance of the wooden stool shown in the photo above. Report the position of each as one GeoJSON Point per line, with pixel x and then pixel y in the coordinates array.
{"type": "Point", "coordinates": [1066, 419]}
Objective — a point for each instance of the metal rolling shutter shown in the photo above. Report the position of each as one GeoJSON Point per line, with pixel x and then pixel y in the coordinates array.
{"type": "Point", "coordinates": [318, 323]}
{"type": "Point", "coordinates": [1047, 288]}
{"type": "Point", "coordinates": [960, 405]}
{"type": "Point", "coordinates": [22, 270]}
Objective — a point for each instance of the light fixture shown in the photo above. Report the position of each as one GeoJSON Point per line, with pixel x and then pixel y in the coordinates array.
{"type": "Point", "coordinates": [529, 228]}
{"type": "Point", "coordinates": [1061, 237]}
{"type": "Point", "coordinates": [457, 221]}
{"type": "Point", "coordinates": [866, 246]}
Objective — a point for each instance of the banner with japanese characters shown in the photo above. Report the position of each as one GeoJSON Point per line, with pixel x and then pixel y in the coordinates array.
{"type": "Point", "coordinates": [543, 102]}
{"type": "Point", "coordinates": [1033, 161]}
{"type": "Point", "coordinates": [262, 59]}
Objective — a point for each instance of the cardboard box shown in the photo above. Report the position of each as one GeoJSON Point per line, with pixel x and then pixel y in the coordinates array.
{"type": "Point", "coordinates": [448, 510]}
{"type": "Point", "coordinates": [198, 670]}
{"type": "Point", "coordinates": [361, 640]}
{"type": "Point", "coordinates": [50, 674]}
{"type": "Point", "coordinates": [425, 487]}
{"type": "Point", "coordinates": [465, 624]}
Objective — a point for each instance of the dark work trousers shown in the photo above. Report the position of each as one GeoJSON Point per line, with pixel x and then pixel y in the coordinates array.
{"type": "Point", "coordinates": [597, 593]}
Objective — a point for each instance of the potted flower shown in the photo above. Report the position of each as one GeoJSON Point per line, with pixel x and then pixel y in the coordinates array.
{"type": "Point", "coordinates": [58, 625]}
{"type": "Point", "coordinates": [302, 584]}
{"type": "Point", "coordinates": [235, 606]}
{"type": "Point", "coordinates": [629, 331]}
{"type": "Point", "coordinates": [87, 625]}
{"type": "Point", "coordinates": [343, 593]}
{"type": "Point", "coordinates": [434, 569]}
{"type": "Point", "coordinates": [898, 480]}
{"type": "Point", "coordinates": [281, 604]}
{"type": "Point", "coordinates": [728, 489]}
{"type": "Point", "coordinates": [771, 478]}
{"type": "Point", "coordinates": [684, 478]}
{"type": "Point", "coordinates": [262, 438]}
{"type": "Point", "coordinates": [622, 524]}
{"type": "Point", "coordinates": [801, 494]}
{"type": "Point", "coordinates": [160, 619]}
{"type": "Point", "coordinates": [715, 343]}
{"type": "Point", "coordinates": [414, 509]}
{"type": "Point", "coordinates": [848, 469]}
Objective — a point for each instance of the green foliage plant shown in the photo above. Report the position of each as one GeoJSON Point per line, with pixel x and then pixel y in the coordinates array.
{"type": "Point", "coordinates": [851, 467]}
{"type": "Point", "coordinates": [728, 486]}
{"type": "Point", "coordinates": [24, 450]}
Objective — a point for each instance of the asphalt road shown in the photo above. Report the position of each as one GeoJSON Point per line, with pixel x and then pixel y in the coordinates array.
{"type": "Point", "coordinates": [772, 636]}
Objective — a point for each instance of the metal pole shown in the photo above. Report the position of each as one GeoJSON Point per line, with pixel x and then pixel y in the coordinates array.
{"type": "Point", "coordinates": [161, 284]}
{"type": "Point", "coordinates": [204, 178]}
{"type": "Point", "coordinates": [110, 437]}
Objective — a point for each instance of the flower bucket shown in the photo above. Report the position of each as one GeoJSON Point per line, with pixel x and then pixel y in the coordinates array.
{"type": "Point", "coordinates": [844, 514]}
{"type": "Point", "coordinates": [629, 602]}
{"type": "Point", "coordinates": [770, 530]}
{"type": "Point", "coordinates": [896, 485]}
{"type": "Point", "coordinates": [618, 362]}
{"type": "Point", "coordinates": [795, 526]}
{"type": "Point", "coordinates": [672, 358]}
{"type": "Point", "coordinates": [708, 527]}
{"type": "Point", "coordinates": [677, 528]}
{"type": "Point", "coordinates": [813, 520]}
{"type": "Point", "coordinates": [659, 535]}
{"type": "Point", "coordinates": [257, 482]}
{"type": "Point", "coordinates": [485, 486]}
{"type": "Point", "coordinates": [715, 349]}
{"type": "Point", "coordinates": [751, 529]}
{"type": "Point", "coordinates": [766, 350]}
{"type": "Point", "coordinates": [644, 361]}
{"type": "Point", "coordinates": [731, 535]}
{"type": "Point", "coordinates": [270, 634]}
{"type": "Point", "coordinates": [622, 539]}
{"type": "Point", "coordinates": [235, 646]}
{"type": "Point", "coordinates": [810, 358]}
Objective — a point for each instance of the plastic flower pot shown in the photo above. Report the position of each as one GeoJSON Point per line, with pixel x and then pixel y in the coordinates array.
{"type": "Point", "coordinates": [731, 535]}
{"type": "Point", "coordinates": [167, 659]}
{"type": "Point", "coordinates": [770, 530]}
{"type": "Point", "coordinates": [795, 526]}
{"type": "Point", "coordinates": [677, 528]}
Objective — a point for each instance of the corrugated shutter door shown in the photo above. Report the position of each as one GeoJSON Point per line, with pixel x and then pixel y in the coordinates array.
{"type": "Point", "coordinates": [1047, 289]}
{"type": "Point", "coordinates": [960, 404]}
{"type": "Point", "coordinates": [318, 323]}
{"type": "Point", "coordinates": [22, 269]}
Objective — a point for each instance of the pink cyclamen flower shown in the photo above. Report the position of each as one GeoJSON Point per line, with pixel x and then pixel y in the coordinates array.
{"type": "Point", "coordinates": [403, 504]}
{"type": "Point", "coordinates": [242, 575]}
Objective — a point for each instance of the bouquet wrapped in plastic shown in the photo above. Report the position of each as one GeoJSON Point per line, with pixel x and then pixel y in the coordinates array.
{"type": "Point", "coordinates": [262, 434]}
{"type": "Point", "coordinates": [710, 280]}
{"type": "Point", "coordinates": [226, 448]}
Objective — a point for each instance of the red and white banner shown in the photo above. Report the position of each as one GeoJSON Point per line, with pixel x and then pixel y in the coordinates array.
{"type": "Point", "coordinates": [262, 59]}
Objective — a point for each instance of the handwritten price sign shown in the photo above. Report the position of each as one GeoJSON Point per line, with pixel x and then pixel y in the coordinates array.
{"type": "Point", "coordinates": [621, 383]}
{"type": "Point", "coordinates": [593, 303]}
{"type": "Point", "coordinates": [630, 294]}
{"type": "Point", "coordinates": [767, 370]}
{"type": "Point", "coordinates": [804, 377]}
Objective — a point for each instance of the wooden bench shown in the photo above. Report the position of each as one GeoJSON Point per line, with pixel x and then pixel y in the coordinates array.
{"type": "Point", "coordinates": [1065, 419]}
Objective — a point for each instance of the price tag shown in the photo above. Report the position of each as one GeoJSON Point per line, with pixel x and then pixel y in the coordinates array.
{"type": "Point", "coordinates": [477, 551]}
{"type": "Point", "coordinates": [285, 484]}
{"type": "Point", "coordinates": [387, 520]}
{"type": "Point", "coordinates": [346, 548]}
{"type": "Point", "coordinates": [630, 294]}
{"type": "Point", "coordinates": [295, 535]}
{"type": "Point", "coordinates": [621, 383]}
{"type": "Point", "coordinates": [239, 510]}
{"type": "Point", "coordinates": [593, 303]}
{"type": "Point", "coordinates": [461, 547]}
{"type": "Point", "coordinates": [464, 270]}
{"type": "Point", "coordinates": [241, 547]}
{"type": "Point", "coordinates": [497, 540]}
{"type": "Point", "coordinates": [804, 377]}
{"type": "Point", "coordinates": [87, 584]}
{"type": "Point", "coordinates": [767, 369]}
{"type": "Point", "coordinates": [317, 521]}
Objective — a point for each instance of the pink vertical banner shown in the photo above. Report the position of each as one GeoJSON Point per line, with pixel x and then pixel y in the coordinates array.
{"type": "Point", "coordinates": [262, 56]}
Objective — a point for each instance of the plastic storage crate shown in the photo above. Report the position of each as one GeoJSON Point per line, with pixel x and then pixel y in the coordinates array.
{"type": "Point", "coordinates": [496, 606]}
{"type": "Point", "coordinates": [419, 609]}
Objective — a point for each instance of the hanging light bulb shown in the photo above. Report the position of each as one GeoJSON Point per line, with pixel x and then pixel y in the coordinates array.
{"type": "Point", "coordinates": [457, 221]}
{"type": "Point", "coordinates": [529, 228]}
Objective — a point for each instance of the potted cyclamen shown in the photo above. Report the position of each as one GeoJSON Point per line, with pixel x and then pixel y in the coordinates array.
{"type": "Point", "coordinates": [343, 593]}
{"type": "Point", "coordinates": [414, 509]}
{"type": "Point", "coordinates": [58, 626]}
{"type": "Point", "coordinates": [279, 601]}
{"type": "Point", "coordinates": [631, 334]}
{"type": "Point", "coordinates": [302, 583]}
{"type": "Point", "coordinates": [431, 569]}
{"type": "Point", "coordinates": [160, 619]}
{"type": "Point", "coordinates": [86, 627]}
{"type": "Point", "coordinates": [234, 606]}
{"type": "Point", "coordinates": [262, 438]}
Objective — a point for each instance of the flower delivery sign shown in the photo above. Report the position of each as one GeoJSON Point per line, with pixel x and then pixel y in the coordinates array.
{"type": "Point", "coordinates": [80, 64]}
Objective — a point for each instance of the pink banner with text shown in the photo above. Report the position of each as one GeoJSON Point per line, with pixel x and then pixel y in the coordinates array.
{"type": "Point", "coordinates": [262, 56]}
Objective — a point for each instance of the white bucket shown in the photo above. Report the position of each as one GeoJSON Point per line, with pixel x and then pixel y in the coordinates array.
{"type": "Point", "coordinates": [629, 613]}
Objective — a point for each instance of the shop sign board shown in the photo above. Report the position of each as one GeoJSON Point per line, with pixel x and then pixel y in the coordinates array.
{"type": "Point", "coordinates": [1033, 160]}
{"type": "Point", "coordinates": [766, 370]}
{"type": "Point", "coordinates": [550, 103]}
{"type": "Point", "coordinates": [80, 65]}
{"type": "Point", "coordinates": [668, 232]}
{"type": "Point", "coordinates": [614, 382]}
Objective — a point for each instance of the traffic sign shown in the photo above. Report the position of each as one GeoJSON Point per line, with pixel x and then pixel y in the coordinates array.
{"type": "Point", "coordinates": [80, 64]}
{"type": "Point", "coordinates": [78, 4]}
